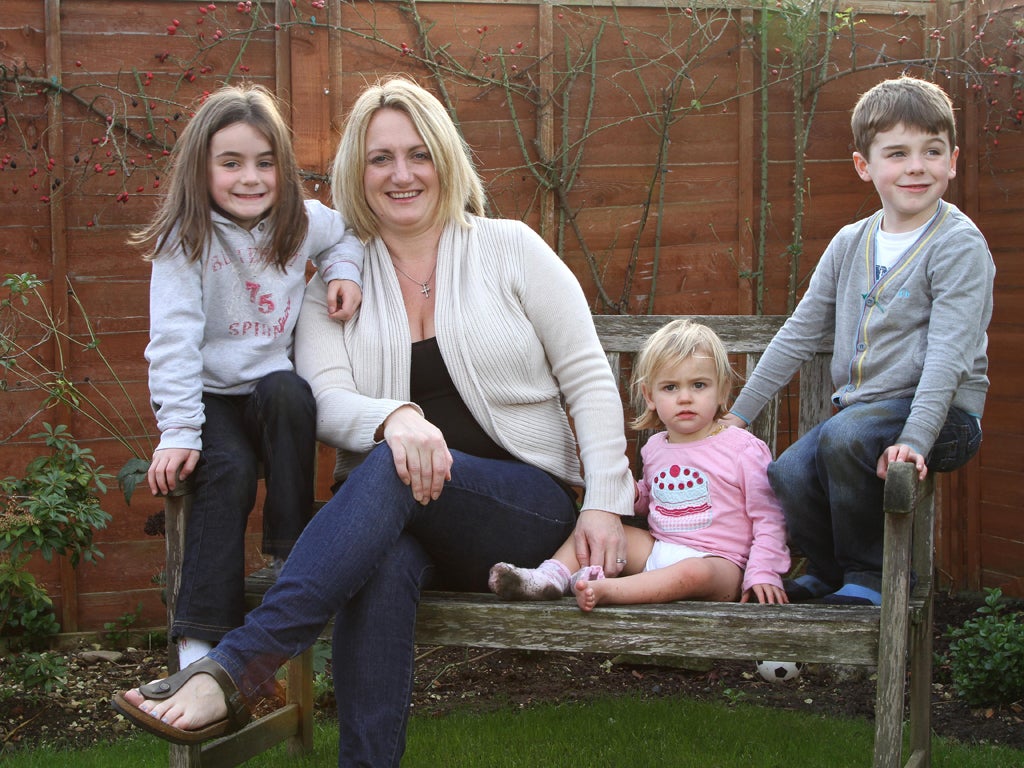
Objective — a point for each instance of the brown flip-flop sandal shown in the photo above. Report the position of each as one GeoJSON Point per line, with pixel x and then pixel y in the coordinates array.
{"type": "Point", "coordinates": [238, 712]}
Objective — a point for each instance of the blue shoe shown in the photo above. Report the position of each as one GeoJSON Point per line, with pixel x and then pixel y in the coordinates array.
{"type": "Point", "coordinates": [805, 588]}
{"type": "Point", "coordinates": [853, 594]}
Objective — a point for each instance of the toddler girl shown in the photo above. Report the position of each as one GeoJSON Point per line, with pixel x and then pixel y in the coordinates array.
{"type": "Point", "coordinates": [716, 529]}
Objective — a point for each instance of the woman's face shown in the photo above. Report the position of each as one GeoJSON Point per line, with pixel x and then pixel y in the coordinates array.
{"type": "Point", "coordinates": [399, 181]}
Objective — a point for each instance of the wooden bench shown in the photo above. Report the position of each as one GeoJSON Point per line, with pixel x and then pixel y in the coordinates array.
{"type": "Point", "coordinates": [867, 636]}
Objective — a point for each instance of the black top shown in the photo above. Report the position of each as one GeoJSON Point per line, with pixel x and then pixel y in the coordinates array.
{"type": "Point", "coordinates": [432, 389]}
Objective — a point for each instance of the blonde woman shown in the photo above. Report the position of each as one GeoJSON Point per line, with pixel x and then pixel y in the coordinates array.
{"type": "Point", "coordinates": [445, 397]}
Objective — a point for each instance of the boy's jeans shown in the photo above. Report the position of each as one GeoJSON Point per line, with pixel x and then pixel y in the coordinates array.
{"type": "Point", "coordinates": [831, 496]}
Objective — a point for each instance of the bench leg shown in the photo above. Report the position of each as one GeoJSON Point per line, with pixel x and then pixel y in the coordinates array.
{"type": "Point", "coordinates": [180, 756]}
{"type": "Point", "coordinates": [892, 642]}
{"type": "Point", "coordinates": [920, 688]}
{"type": "Point", "coordinates": [175, 516]}
{"type": "Point", "coordinates": [300, 693]}
{"type": "Point", "coordinates": [299, 670]}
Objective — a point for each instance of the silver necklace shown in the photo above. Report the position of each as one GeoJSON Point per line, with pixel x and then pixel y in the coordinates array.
{"type": "Point", "coordinates": [425, 285]}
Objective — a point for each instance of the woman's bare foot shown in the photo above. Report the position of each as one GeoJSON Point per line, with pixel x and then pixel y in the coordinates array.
{"type": "Point", "coordinates": [199, 703]}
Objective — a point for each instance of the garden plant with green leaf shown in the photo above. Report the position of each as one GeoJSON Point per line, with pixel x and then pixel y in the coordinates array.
{"type": "Point", "coordinates": [986, 654]}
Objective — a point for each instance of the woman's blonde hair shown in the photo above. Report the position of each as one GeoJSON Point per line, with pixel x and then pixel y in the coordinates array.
{"type": "Point", "coordinates": [670, 345]}
{"type": "Point", "coordinates": [462, 191]}
{"type": "Point", "coordinates": [186, 206]}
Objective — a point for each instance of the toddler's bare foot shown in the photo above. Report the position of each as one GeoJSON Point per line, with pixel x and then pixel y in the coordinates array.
{"type": "Point", "coordinates": [588, 594]}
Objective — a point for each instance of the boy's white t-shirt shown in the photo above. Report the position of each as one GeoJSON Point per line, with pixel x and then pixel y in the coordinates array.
{"type": "Point", "coordinates": [890, 246]}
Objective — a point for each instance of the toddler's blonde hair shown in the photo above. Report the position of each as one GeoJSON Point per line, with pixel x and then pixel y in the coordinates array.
{"type": "Point", "coordinates": [668, 346]}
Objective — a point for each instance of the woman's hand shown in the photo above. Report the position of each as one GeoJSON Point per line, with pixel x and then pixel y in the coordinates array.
{"type": "Point", "coordinates": [168, 467]}
{"type": "Point", "coordinates": [422, 459]}
{"type": "Point", "coordinates": [600, 540]}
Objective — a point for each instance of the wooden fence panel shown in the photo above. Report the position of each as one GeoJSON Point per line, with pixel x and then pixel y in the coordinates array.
{"type": "Point", "coordinates": [573, 94]}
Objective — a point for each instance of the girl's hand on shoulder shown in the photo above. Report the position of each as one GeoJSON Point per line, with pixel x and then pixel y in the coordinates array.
{"type": "Point", "coordinates": [732, 420]}
{"type": "Point", "coordinates": [765, 593]}
{"type": "Point", "coordinates": [168, 467]}
{"type": "Point", "coordinates": [343, 299]}
{"type": "Point", "coordinates": [422, 459]}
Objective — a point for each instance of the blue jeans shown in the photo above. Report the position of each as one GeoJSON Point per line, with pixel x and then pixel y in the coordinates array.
{"type": "Point", "coordinates": [275, 425]}
{"type": "Point", "coordinates": [364, 559]}
{"type": "Point", "coordinates": [831, 496]}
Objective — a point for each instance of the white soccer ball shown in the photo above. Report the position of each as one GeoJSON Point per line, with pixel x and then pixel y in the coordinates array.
{"type": "Point", "coordinates": [779, 671]}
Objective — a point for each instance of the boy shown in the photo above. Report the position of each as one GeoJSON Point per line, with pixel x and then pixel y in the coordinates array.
{"type": "Point", "coordinates": [907, 295]}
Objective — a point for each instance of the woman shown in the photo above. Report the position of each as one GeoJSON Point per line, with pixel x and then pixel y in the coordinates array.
{"type": "Point", "coordinates": [448, 385]}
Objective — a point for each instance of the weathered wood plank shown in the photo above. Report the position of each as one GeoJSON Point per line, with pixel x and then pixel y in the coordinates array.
{"type": "Point", "coordinates": [741, 334]}
{"type": "Point", "coordinates": [255, 738]}
{"type": "Point", "coordinates": [826, 634]}
{"type": "Point", "coordinates": [814, 633]}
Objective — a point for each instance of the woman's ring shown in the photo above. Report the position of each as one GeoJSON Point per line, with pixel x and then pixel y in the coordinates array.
{"type": "Point", "coordinates": [620, 561]}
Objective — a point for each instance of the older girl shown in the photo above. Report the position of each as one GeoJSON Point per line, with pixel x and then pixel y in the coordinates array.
{"type": "Point", "coordinates": [231, 240]}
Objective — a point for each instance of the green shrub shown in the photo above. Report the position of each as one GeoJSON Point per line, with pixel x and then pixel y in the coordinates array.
{"type": "Point", "coordinates": [52, 509]}
{"type": "Point", "coordinates": [986, 654]}
{"type": "Point", "coordinates": [38, 673]}
{"type": "Point", "coordinates": [118, 633]}
{"type": "Point", "coordinates": [25, 609]}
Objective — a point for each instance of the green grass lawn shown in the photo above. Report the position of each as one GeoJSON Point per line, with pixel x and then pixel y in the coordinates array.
{"type": "Point", "coordinates": [611, 732]}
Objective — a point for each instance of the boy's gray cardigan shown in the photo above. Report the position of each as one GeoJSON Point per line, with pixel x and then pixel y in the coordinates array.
{"type": "Point", "coordinates": [919, 331]}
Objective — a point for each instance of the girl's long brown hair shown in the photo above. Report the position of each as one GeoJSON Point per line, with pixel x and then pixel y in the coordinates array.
{"type": "Point", "coordinates": [185, 209]}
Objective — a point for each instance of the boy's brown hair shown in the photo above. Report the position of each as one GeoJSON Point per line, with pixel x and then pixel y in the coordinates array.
{"type": "Point", "coordinates": [907, 101]}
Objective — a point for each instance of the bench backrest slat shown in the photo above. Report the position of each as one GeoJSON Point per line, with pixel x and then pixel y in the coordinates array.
{"type": "Point", "coordinates": [744, 336]}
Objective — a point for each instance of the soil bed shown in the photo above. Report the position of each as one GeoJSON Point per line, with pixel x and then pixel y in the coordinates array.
{"type": "Point", "coordinates": [450, 679]}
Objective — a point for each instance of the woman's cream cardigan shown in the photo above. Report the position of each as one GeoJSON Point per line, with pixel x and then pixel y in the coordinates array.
{"type": "Point", "coordinates": [516, 334]}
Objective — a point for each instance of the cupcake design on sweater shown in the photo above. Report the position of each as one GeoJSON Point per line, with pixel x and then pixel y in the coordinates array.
{"type": "Point", "coordinates": [682, 498]}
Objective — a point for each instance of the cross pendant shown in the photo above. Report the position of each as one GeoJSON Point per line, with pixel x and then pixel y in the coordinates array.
{"type": "Point", "coordinates": [425, 290]}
